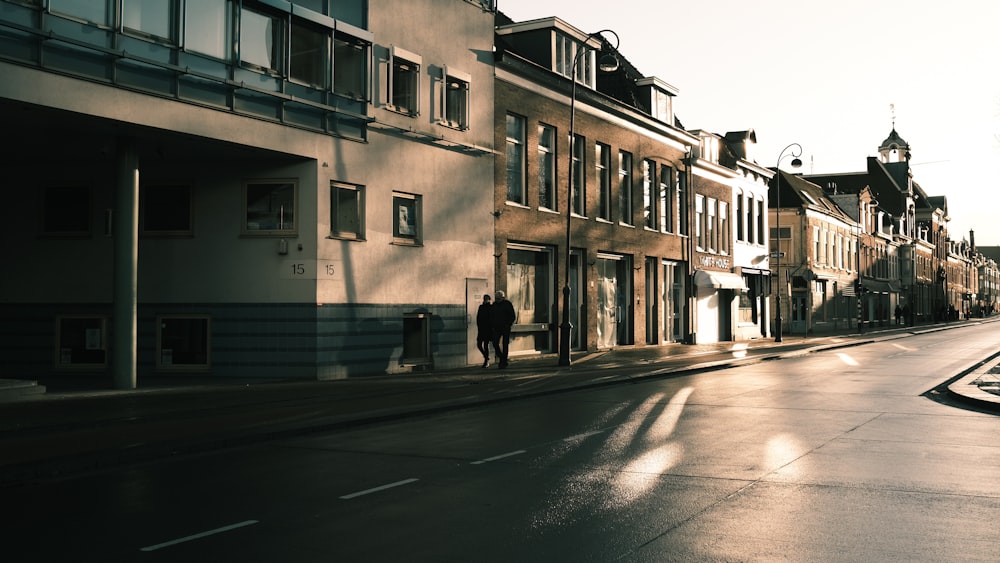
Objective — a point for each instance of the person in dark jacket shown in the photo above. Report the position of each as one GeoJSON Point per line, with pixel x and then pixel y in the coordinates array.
{"type": "Point", "coordinates": [484, 327]}
{"type": "Point", "coordinates": [502, 319]}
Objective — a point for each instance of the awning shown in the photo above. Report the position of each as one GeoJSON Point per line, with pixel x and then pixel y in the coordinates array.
{"type": "Point", "coordinates": [719, 280]}
{"type": "Point", "coordinates": [878, 286]}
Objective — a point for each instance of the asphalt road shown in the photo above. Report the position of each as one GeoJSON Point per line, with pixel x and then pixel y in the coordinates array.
{"type": "Point", "coordinates": [833, 456]}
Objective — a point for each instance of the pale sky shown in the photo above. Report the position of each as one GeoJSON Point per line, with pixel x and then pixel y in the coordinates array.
{"type": "Point", "coordinates": [824, 74]}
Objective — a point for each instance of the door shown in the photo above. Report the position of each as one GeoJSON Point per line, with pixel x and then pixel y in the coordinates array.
{"type": "Point", "coordinates": [799, 312]}
{"type": "Point", "coordinates": [475, 288]}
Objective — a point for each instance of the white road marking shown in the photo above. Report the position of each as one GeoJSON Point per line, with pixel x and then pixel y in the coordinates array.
{"type": "Point", "coordinates": [199, 536]}
{"type": "Point", "coordinates": [377, 489]}
{"type": "Point", "coordinates": [498, 457]}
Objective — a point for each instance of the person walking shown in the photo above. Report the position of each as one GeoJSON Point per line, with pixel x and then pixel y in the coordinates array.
{"type": "Point", "coordinates": [484, 327]}
{"type": "Point", "coordinates": [502, 319]}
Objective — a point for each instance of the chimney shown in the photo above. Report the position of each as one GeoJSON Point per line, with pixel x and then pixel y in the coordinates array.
{"type": "Point", "coordinates": [972, 239]}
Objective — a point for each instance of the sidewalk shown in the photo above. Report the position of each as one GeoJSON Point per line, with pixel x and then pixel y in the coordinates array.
{"type": "Point", "coordinates": [83, 427]}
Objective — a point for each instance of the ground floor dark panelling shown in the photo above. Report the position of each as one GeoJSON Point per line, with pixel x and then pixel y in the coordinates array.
{"type": "Point", "coordinates": [281, 340]}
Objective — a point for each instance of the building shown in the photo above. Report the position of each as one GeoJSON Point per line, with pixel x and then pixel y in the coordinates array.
{"type": "Point", "coordinates": [246, 188]}
{"type": "Point", "coordinates": [617, 240]}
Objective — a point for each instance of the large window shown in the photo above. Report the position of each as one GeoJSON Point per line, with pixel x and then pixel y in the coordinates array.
{"type": "Point", "coordinates": [406, 219]}
{"type": "Point", "coordinates": [310, 53]}
{"type": "Point", "coordinates": [667, 199]}
{"type": "Point", "coordinates": [404, 81]}
{"type": "Point", "coordinates": [347, 211]}
{"type": "Point", "coordinates": [625, 187]}
{"type": "Point", "coordinates": [546, 166]}
{"type": "Point", "coordinates": [81, 341]}
{"type": "Point", "coordinates": [94, 11]}
{"type": "Point", "coordinates": [649, 193]}
{"type": "Point", "coordinates": [270, 208]}
{"type": "Point", "coordinates": [516, 165]}
{"type": "Point", "coordinates": [261, 40]}
{"type": "Point", "coordinates": [602, 162]}
{"type": "Point", "coordinates": [165, 210]}
{"type": "Point", "coordinates": [454, 108]}
{"type": "Point", "coordinates": [155, 18]}
{"type": "Point", "coordinates": [579, 195]}
{"type": "Point", "coordinates": [182, 342]}
{"type": "Point", "coordinates": [350, 66]}
{"type": "Point", "coordinates": [66, 211]}
{"type": "Point", "coordinates": [207, 27]}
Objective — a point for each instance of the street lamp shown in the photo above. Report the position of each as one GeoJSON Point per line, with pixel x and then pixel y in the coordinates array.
{"type": "Point", "coordinates": [608, 63]}
{"type": "Point", "coordinates": [777, 214]}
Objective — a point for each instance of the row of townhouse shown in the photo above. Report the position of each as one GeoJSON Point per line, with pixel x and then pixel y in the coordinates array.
{"type": "Point", "coordinates": [871, 248]}
{"type": "Point", "coordinates": [326, 188]}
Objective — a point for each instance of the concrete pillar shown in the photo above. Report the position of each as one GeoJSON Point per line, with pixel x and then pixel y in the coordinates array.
{"type": "Point", "coordinates": [126, 253]}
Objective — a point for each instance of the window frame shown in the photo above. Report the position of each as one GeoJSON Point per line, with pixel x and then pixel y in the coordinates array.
{"type": "Point", "coordinates": [336, 188]}
{"type": "Point", "coordinates": [451, 96]}
{"type": "Point", "coordinates": [279, 183]}
{"type": "Point", "coordinates": [625, 172]}
{"type": "Point", "coordinates": [162, 322]}
{"type": "Point", "coordinates": [397, 70]}
{"type": "Point", "coordinates": [548, 194]}
{"type": "Point", "coordinates": [100, 344]}
{"type": "Point", "coordinates": [516, 146]}
{"type": "Point", "coordinates": [414, 214]}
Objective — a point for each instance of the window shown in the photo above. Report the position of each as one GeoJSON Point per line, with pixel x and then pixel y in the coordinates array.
{"type": "Point", "coordinates": [750, 221]}
{"type": "Point", "coordinates": [666, 199]}
{"type": "Point", "coordinates": [455, 99]}
{"type": "Point", "coordinates": [579, 196]}
{"type": "Point", "coordinates": [404, 81]}
{"type": "Point", "coordinates": [602, 161]}
{"type": "Point", "coordinates": [682, 180]}
{"type": "Point", "coordinates": [81, 341]}
{"type": "Point", "coordinates": [699, 221]}
{"type": "Point", "coordinates": [760, 221]}
{"type": "Point", "coordinates": [94, 11]}
{"type": "Point", "coordinates": [310, 53]}
{"type": "Point", "coordinates": [566, 51]}
{"type": "Point", "coordinates": [350, 66]}
{"type": "Point", "coordinates": [66, 211]}
{"type": "Point", "coordinates": [712, 225]}
{"type": "Point", "coordinates": [347, 211]}
{"type": "Point", "coordinates": [724, 233]}
{"type": "Point", "coordinates": [207, 27]}
{"type": "Point", "coordinates": [165, 210]}
{"type": "Point", "coordinates": [270, 208]}
{"type": "Point", "coordinates": [649, 193]}
{"type": "Point", "coordinates": [625, 187]}
{"type": "Point", "coordinates": [154, 18]}
{"type": "Point", "coordinates": [261, 38]}
{"type": "Point", "coordinates": [516, 165]}
{"type": "Point", "coordinates": [739, 216]}
{"type": "Point", "coordinates": [546, 166]}
{"type": "Point", "coordinates": [406, 222]}
{"type": "Point", "coordinates": [182, 342]}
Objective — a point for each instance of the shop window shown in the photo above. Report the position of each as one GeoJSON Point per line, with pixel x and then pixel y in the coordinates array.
{"type": "Point", "coordinates": [81, 341]}
{"type": "Point", "coordinates": [270, 208]}
{"type": "Point", "coordinates": [347, 211]}
{"type": "Point", "coordinates": [406, 223]}
{"type": "Point", "coordinates": [66, 211]}
{"type": "Point", "coordinates": [182, 342]}
{"type": "Point", "coordinates": [165, 210]}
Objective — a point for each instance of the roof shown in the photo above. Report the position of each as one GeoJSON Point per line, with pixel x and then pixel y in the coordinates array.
{"type": "Point", "coordinates": [893, 141]}
{"type": "Point", "coordinates": [796, 191]}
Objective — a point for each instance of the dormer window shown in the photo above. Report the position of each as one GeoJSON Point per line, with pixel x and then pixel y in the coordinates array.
{"type": "Point", "coordinates": [658, 96]}
{"type": "Point", "coordinates": [565, 52]}
{"type": "Point", "coordinates": [710, 149]}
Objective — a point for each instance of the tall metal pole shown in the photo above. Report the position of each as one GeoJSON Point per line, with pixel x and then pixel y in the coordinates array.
{"type": "Point", "coordinates": [566, 327]}
{"type": "Point", "coordinates": [777, 214]}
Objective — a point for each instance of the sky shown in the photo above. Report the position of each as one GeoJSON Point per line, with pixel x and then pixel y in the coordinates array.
{"type": "Point", "coordinates": [832, 76]}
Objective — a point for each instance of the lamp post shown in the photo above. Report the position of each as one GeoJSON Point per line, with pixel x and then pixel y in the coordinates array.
{"type": "Point", "coordinates": [777, 214]}
{"type": "Point", "coordinates": [608, 63]}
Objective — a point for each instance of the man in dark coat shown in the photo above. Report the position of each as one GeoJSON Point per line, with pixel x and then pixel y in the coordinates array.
{"type": "Point", "coordinates": [502, 319]}
{"type": "Point", "coordinates": [484, 327]}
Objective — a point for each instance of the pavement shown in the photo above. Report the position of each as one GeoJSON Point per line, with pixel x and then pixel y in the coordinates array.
{"type": "Point", "coordinates": [74, 425]}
